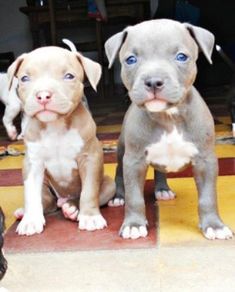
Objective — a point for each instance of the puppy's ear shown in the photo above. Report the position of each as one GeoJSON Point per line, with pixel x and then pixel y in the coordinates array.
{"type": "Point", "coordinates": [113, 45]}
{"type": "Point", "coordinates": [14, 67]}
{"type": "Point", "coordinates": [204, 39]}
{"type": "Point", "coordinates": [92, 70]}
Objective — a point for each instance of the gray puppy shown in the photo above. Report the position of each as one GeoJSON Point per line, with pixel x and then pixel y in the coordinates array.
{"type": "Point", "coordinates": [168, 125]}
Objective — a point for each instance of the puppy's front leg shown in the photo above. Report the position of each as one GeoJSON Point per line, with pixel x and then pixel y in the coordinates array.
{"type": "Point", "coordinates": [162, 190]}
{"type": "Point", "coordinates": [33, 219]}
{"type": "Point", "coordinates": [205, 173]}
{"type": "Point", "coordinates": [91, 172]}
{"type": "Point", "coordinates": [134, 172]}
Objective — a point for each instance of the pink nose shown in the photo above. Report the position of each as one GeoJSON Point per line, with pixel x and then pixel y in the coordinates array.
{"type": "Point", "coordinates": [43, 97]}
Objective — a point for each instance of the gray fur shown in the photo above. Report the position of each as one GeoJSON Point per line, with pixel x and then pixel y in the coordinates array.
{"type": "Point", "coordinates": [156, 43]}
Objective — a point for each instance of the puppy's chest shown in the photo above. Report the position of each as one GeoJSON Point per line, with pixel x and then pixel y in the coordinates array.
{"type": "Point", "coordinates": [172, 152]}
{"type": "Point", "coordinates": [59, 151]}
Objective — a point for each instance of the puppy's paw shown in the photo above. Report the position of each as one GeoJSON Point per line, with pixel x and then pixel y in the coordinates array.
{"type": "Point", "coordinates": [133, 232]}
{"type": "Point", "coordinates": [12, 132]}
{"type": "Point", "coordinates": [70, 211]}
{"type": "Point", "coordinates": [31, 224]}
{"type": "Point", "coordinates": [91, 223]}
{"type": "Point", "coordinates": [164, 195]}
{"type": "Point", "coordinates": [20, 136]}
{"type": "Point", "coordinates": [218, 233]}
{"type": "Point", "coordinates": [116, 202]}
{"type": "Point", "coordinates": [19, 213]}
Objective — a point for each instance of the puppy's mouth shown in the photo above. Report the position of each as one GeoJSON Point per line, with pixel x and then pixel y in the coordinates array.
{"type": "Point", "coordinates": [46, 115]}
{"type": "Point", "coordinates": [155, 103]}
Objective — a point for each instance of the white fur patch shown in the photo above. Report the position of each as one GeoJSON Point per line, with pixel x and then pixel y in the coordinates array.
{"type": "Point", "coordinates": [91, 223]}
{"type": "Point", "coordinates": [233, 129]}
{"type": "Point", "coordinates": [165, 195]}
{"type": "Point", "coordinates": [31, 224]}
{"type": "Point", "coordinates": [172, 151]}
{"type": "Point", "coordinates": [172, 111]}
{"type": "Point", "coordinates": [58, 149]}
{"type": "Point", "coordinates": [116, 202]}
{"type": "Point", "coordinates": [219, 233]}
{"type": "Point", "coordinates": [134, 232]}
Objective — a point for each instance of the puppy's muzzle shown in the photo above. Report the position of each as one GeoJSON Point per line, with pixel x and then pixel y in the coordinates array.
{"type": "Point", "coordinates": [154, 84]}
{"type": "Point", "coordinates": [43, 97]}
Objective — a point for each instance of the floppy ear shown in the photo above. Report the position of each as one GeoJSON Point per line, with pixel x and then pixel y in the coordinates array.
{"type": "Point", "coordinates": [204, 39]}
{"type": "Point", "coordinates": [14, 67]}
{"type": "Point", "coordinates": [113, 45]}
{"type": "Point", "coordinates": [92, 69]}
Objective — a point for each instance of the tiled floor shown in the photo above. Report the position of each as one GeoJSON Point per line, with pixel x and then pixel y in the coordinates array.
{"type": "Point", "coordinates": [179, 260]}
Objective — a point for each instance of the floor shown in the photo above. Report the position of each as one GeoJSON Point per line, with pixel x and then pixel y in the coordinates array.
{"type": "Point", "coordinates": [180, 258]}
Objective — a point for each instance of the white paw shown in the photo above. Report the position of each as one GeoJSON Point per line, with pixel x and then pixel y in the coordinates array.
{"type": "Point", "coordinates": [134, 232]}
{"type": "Point", "coordinates": [165, 195]}
{"type": "Point", "coordinates": [12, 132]}
{"type": "Point", "coordinates": [70, 212]}
{"type": "Point", "coordinates": [20, 136]}
{"type": "Point", "coordinates": [219, 233]}
{"type": "Point", "coordinates": [31, 224]}
{"type": "Point", "coordinates": [116, 202]}
{"type": "Point", "coordinates": [91, 223]}
{"type": "Point", "coordinates": [19, 213]}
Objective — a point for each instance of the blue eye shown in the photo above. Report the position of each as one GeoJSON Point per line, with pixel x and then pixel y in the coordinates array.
{"type": "Point", "coordinates": [131, 60]}
{"type": "Point", "coordinates": [69, 76]}
{"type": "Point", "coordinates": [25, 78]}
{"type": "Point", "coordinates": [181, 57]}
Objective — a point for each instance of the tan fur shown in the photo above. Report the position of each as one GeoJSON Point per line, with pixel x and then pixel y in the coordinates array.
{"type": "Point", "coordinates": [63, 117]}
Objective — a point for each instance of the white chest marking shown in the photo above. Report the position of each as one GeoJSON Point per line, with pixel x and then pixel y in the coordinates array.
{"type": "Point", "coordinates": [57, 149]}
{"type": "Point", "coordinates": [172, 151]}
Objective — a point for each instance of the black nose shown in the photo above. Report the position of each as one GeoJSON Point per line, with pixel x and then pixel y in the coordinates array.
{"type": "Point", "coordinates": [154, 83]}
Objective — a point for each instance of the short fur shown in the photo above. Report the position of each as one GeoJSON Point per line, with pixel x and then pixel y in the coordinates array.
{"type": "Point", "coordinates": [168, 124]}
{"type": "Point", "coordinates": [64, 159]}
{"type": "Point", "coordinates": [13, 107]}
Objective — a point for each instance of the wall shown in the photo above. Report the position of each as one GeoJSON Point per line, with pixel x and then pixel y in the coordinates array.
{"type": "Point", "coordinates": [14, 29]}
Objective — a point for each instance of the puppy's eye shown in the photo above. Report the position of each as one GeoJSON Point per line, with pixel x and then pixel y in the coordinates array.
{"type": "Point", "coordinates": [131, 60]}
{"type": "Point", "coordinates": [25, 78]}
{"type": "Point", "coordinates": [181, 57]}
{"type": "Point", "coordinates": [69, 76]}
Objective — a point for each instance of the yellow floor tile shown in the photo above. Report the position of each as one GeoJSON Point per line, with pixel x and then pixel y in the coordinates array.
{"type": "Point", "coordinates": [179, 218]}
{"type": "Point", "coordinates": [11, 198]}
{"type": "Point", "coordinates": [225, 150]}
{"type": "Point", "coordinates": [11, 162]}
{"type": "Point", "coordinates": [109, 129]}
{"type": "Point", "coordinates": [110, 169]}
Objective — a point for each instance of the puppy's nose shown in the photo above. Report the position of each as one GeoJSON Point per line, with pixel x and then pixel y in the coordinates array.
{"type": "Point", "coordinates": [43, 97]}
{"type": "Point", "coordinates": [154, 83]}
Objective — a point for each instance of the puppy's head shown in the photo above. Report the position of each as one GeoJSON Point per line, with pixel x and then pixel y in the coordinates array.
{"type": "Point", "coordinates": [3, 262]}
{"type": "Point", "coordinates": [51, 81]}
{"type": "Point", "coordinates": [158, 60]}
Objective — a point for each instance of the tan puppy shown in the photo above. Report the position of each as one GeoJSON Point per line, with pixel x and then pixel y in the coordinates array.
{"type": "Point", "coordinates": [64, 159]}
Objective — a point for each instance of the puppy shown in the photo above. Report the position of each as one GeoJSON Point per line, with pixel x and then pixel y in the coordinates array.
{"type": "Point", "coordinates": [168, 125]}
{"type": "Point", "coordinates": [13, 107]}
{"type": "Point", "coordinates": [3, 262]}
{"type": "Point", "coordinates": [64, 159]}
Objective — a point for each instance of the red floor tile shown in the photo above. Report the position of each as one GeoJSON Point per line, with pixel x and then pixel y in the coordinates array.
{"type": "Point", "coordinates": [63, 235]}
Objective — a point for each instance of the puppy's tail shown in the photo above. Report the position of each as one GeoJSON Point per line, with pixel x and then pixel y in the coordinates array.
{"type": "Point", "coordinates": [70, 45]}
